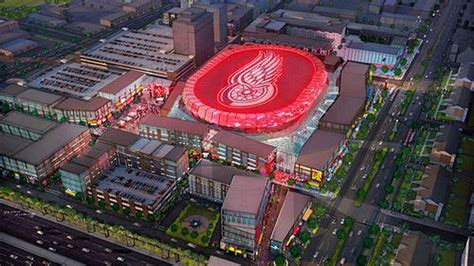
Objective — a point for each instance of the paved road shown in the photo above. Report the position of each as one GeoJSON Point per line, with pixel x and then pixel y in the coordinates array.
{"type": "Point", "coordinates": [11, 255]}
{"type": "Point", "coordinates": [53, 235]}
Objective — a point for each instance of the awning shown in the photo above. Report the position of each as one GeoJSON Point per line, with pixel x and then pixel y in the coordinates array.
{"type": "Point", "coordinates": [307, 213]}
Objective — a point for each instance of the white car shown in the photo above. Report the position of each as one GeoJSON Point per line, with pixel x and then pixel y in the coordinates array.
{"type": "Point", "coordinates": [69, 206]}
{"type": "Point", "coordinates": [108, 250]}
{"type": "Point", "coordinates": [69, 246]}
{"type": "Point", "coordinates": [52, 249]}
{"type": "Point", "coordinates": [364, 176]}
{"type": "Point", "coordinates": [334, 232]}
{"type": "Point", "coordinates": [39, 242]}
{"type": "Point", "coordinates": [86, 250]}
{"type": "Point", "coordinates": [120, 259]}
{"type": "Point", "coordinates": [40, 232]}
{"type": "Point", "coordinates": [13, 256]}
{"type": "Point", "coordinates": [69, 237]}
{"type": "Point", "coordinates": [98, 211]}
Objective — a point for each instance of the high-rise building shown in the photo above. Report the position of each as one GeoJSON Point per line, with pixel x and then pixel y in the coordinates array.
{"type": "Point", "coordinates": [219, 14]}
{"type": "Point", "coordinates": [193, 34]}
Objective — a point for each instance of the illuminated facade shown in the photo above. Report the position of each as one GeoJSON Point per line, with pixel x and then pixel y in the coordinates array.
{"type": "Point", "coordinates": [255, 88]}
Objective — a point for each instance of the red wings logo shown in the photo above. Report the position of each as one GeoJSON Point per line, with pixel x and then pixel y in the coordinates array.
{"type": "Point", "coordinates": [253, 84]}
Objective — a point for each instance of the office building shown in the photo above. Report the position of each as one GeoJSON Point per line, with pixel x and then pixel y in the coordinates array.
{"type": "Point", "coordinates": [241, 151]}
{"type": "Point", "coordinates": [242, 214]}
{"type": "Point", "coordinates": [193, 34]}
{"type": "Point", "coordinates": [35, 147]}
{"type": "Point", "coordinates": [174, 131]}
{"type": "Point", "coordinates": [219, 17]}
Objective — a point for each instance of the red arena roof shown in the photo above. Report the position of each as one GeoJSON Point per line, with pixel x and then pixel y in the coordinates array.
{"type": "Point", "coordinates": [255, 88]}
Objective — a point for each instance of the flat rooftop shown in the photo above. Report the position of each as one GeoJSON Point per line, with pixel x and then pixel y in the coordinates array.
{"type": "Point", "coordinates": [343, 110]}
{"type": "Point", "coordinates": [144, 49]}
{"type": "Point", "coordinates": [217, 172]}
{"type": "Point", "coordinates": [93, 104]}
{"type": "Point", "coordinates": [118, 137]}
{"type": "Point", "coordinates": [245, 194]}
{"type": "Point", "coordinates": [13, 90]}
{"type": "Point", "coordinates": [28, 122]}
{"type": "Point", "coordinates": [353, 80]}
{"type": "Point", "coordinates": [134, 185]}
{"type": "Point", "coordinates": [153, 120]}
{"type": "Point", "coordinates": [319, 149]}
{"type": "Point", "coordinates": [75, 80]}
{"type": "Point", "coordinates": [42, 97]}
{"type": "Point", "coordinates": [244, 144]}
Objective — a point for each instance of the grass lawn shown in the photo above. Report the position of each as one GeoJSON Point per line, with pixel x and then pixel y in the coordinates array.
{"type": "Point", "coordinates": [455, 214]}
{"type": "Point", "coordinates": [182, 230]}
{"type": "Point", "coordinates": [448, 258]}
{"type": "Point", "coordinates": [29, 3]}
{"type": "Point", "coordinates": [467, 164]}
{"type": "Point", "coordinates": [468, 147]}
{"type": "Point", "coordinates": [470, 121]}
{"type": "Point", "coordinates": [16, 9]}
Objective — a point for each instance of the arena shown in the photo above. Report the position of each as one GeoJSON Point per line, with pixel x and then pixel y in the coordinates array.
{"type": "Point", "coordinates": [256, 88]}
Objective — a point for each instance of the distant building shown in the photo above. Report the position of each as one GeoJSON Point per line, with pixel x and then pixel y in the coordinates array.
{"type": "Point", "coordinates": [193, 34]}
{"type": "Point", "coordinates": [211, 181]}
{"type": "Point", "coordinates": [219, 14]}
{"type": "Point", "coordinates": [446, 145]}
{"type": "Point", "coordinates": [414, 249]}
{"type": "Point", "coordinates": [407, 22]}
{"type": "Point", "coordinates": [78, 174]}
{"type": "Point", "coordinates": [296, 209]}
{"type": "Point", "coordinates": [241, 151]}
{"type": "Point", "coordinates": [238, 18]}
{"type": "Point", "coordinates": [35, 147]}
{"type": "Point", "coordinates": [242, 217]}
{"type": "Point", "coordinates": [92, 112]}
{"type": "Point", "coordinates": [458, 104]}
{"type": "Point", "coordinates": [122, 90]}
{"type": "Point", "coordinates": [147, 155]}
{"type": "Point", "coordinates": [465, 76]}
{"type": "Point", "coordinates": [17, 47]}
{"type": "Point", "coordinates": [115, 19]}
{"type": "Point", "coordinates": [372, 53]}
{"type": "Point", "coordinates": [318, 156]}
{"type": "Point", "coordinates": [432, 191]}
{"type": "Point", "coordinates": [148, 51]}
{"type": "Point", "coordinates": [170, 15]}
{"type": "Point", "coordinates": [174, 131]}
{"type": "Point", "coordinates": [335, 12]}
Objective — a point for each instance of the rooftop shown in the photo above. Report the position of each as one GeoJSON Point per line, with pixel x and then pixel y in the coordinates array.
{"type": "Point", "coordinates": [376, 47]}
{"type": "Point", "coordinates": [134, 185]}
{"type": "Point", "coordinates": [144, 49]}
{"type": "Point", "coordinates": [434, 183]}
{"type": "Point", "coordinates": [217, 172]}
{"type": "Point", "coordinates": [244, 144]}
{"type": "Point", "coordinates": [189, 127]}
{"type": "Point", "coordinates": [245, 194]}
{"type": "Point", "coordinates": [466, 71]}
{"type": "Point", "coordinates": [121, 82]}
{"type": "Point", "coordinates": [28, 122]}
{"type": "Point", "coordinates": [292, 207]}
{"type": "Point", "coordinates": [74, 80]}
{"type": "Point", "coordinates": [353, 80]}
{"type": "Point", "coordinates": [319, 149]}
{"type": "Point", "coordinates": [343, 110]}
{"type": "Point", "coordinates": [38, 96]}
{"type": "Point", "coordinates": [118, 137]}
{"type": "Point", "coordinates": [413, 249]}
{"type": "Point", "coordinates": [94, 104]}
{"type": "Point", "coordinates": [13, 90]}
{"type": "Point", "coordinates": [73, 168]}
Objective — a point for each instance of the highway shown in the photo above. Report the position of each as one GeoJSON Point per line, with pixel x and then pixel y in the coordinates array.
{"type": "Point", "coordinates": [11, 255]}
{"type": "Point", "coordinates": [68, 242]}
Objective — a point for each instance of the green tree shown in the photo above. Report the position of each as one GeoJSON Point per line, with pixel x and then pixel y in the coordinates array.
{"type": "Point", "coordinates": [291, 182]}
{"type": "Point", "coordinates": [341, 234]}
{"type": "Point", "coordinates": [79, 196]}
{"type": "Point", "coordinates": [403, 61]}
{"type": "Point", "coordinates": [205, 239]}
{"type": "Point", "coordinates": [151, 218]}
{"type": "Point", "coordinates": [397, 72]}
{"type": "Point", "coordinates": [101, 203]}
{"type": "Point", "coordinates": [5, 107]}
{"type": "Point", "coordinates": [184, 231]}
{"type": "Point", "coordinates": [374, 229]}
{"type": "Point", "coordinates": [385, 69]}
{"type": "Point", "coordinates": [174, 228]}
{"type": "Point", "coordinates": [115, 207]}
{"type": "Point", "coordinates": [304, 237]}
{"type": "Point", "coordinates": [361, 260]}
{"type": "Point", "coordinates": [194, 234]}
{"type": "Point", "coordinates": [348, 221]}
{"type": "Point", "coordinates": [138, 214]}
{"type": "Point", "coordinates": [368, 242]}
{"type": "Point", "coordinates": [90, 200]}
{"type": "Point", "coordinates": [389, 189]}
{"type": "Point", "coordinates": [370, 117]}
{"type": "Point", "coordinates": [126, 210]}
{"type": "Point", "coordinates": [295, 251]}
{"type": "Point", "coordinates": [312, 223]}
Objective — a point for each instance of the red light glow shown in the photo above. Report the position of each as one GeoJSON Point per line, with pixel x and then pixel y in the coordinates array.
{"type": "Point", "coordinates": [255, 88]}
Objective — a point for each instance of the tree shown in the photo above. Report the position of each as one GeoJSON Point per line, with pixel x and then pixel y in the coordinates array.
{"type": "Point", "coordinates": [331, 185]}
{"type": "Point", "coordinates": [341, 234]}
{"type": "Point", "coordinates": [151, 218]}
{"type": "Point", "coordinates": [304, 237]}
{"type": "Point", "coordinates": [372, 68]}
{"type": "Point", "coordinates": [383, 204]}
{"type": "Point", "coordinates": [389, 189]}
{"type": "Point", "coordinates": [312, 223]}
{"type": "Point", "coordinates": [5, 107]}
{"type": "Point", "coordinates": [397, 72]}
{"type": "Point", "coordinates": [360, 193]}
{"type": "Point", "coordinates": [361, 260]}
{"type": "Point", "coordinates": [374, 229]}
{"type": "Point", "coordinates": [279, 260]}
{"type": "Point", "coordinates": [184, 231]}
{"type": "Point", "coordinates": [295, 251]}
{"type": "Point", "coordinates": [385, 69]}
{"type": "Point", "coordinates": [115, 207]}
{"type": "Point", "coordinates": [348, 221]}
{"type": "Point", "coordinates": [174, 228]}
{"type": "Point", "coordinates": [126, 210]}
{"type": "Point", "coordinates": [370, 117]}
{"type": "Point", "coordinates": [79, 196]}
{"type": "Point", "coordinates": [368, 242]}
{"type": "Point", "coordinates": [205, 239]}
{"type": "Point", "coordinates": [403, 61]}
{"type": "Point", "coordinates": [291, 182]}
{"type": "Point", "coordinates": [194, 234]}
{"type": "Point", "coordinates": [138, 214]}
{"type": "Point", "coordinates": [90, 200]}
{"type": "Point", "coordinates": [101, 203]}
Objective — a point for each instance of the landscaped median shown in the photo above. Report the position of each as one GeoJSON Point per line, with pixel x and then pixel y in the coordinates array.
{"type": "Point", "coordinates": [118, 233]}
{"type": "Point", "coordinates": [342, 235]}
{"type": "Point", "coordinates": [379, 156]}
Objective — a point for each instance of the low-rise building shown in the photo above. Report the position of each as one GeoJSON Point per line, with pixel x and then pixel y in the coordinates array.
{"type": "Point", "coordinates": [211, 181]}
{"type": "Point", "coordinates": [458, 104]}
{"type": "Point", "coordinates": [295, 209]}
{"type": "Point", "coordinates": [318, 156]}
{"type": "Point", "coordinates": [115, 19]}
{"type": "Point", "coordinates": [242, 216]}
{"type": "Point", "coordinates": [78, 174]}
{"type": "Point", "coordinates": [134, 189]}
{"type": "Point", "coordinates": [17, 47]}
{"type": "Point", "coordinates": [92, 112]}
{"type": "Point", "coordinates": [446, 145]}
{"type": "Point", "coordinates": [122, 90]}
{"type": "Point", "coordinates": [465, 76]}
{"type": "Point", "coordinates": [174, 131]}
{"type": "Point", "coordinates": [432, 191]}
{"type": "Point", "coordinates": [241, 151]}
{"type": "Point", "coordinates": [372, 53]}
{"type": "Point", "coordinates": [35, 147]}
{"type": "Point", "coordinates": [414, 249]}
{"type": "Point", "coordinates": [148, 155]}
